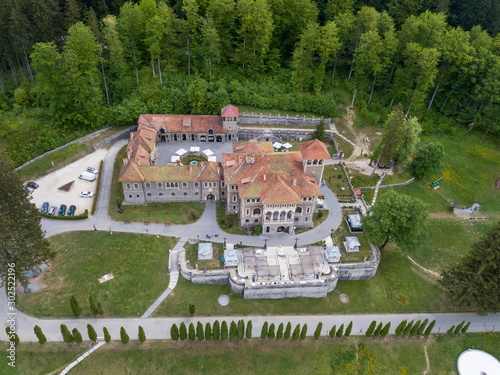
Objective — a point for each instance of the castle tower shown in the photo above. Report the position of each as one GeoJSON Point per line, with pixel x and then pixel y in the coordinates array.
{"type": "Point", "coordinates": [229, 116]}
{"type": "Point", "coordinates": [314, 153]}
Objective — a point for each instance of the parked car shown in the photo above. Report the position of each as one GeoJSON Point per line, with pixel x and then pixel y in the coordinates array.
{"type": "Point", "coordinates": [62, 210]}
{"type": "Point", "coordinates": [87, 176]}
{"type": "Point", "coordinates": [45, 207]}
{"type": "Point", "coordinates": [71, 210]}
{"type": "Point", "coordinates": [32, 185]}
{"type": "Point", "coordinates": [92, 170]}
{"type": "Point", "coordinates": [52, 210]}
{"type": "Point", "coordinates": [86, 194]}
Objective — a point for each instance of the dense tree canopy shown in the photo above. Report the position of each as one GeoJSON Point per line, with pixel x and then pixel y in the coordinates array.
{"type": "Point", "coordinates": [474, 281]}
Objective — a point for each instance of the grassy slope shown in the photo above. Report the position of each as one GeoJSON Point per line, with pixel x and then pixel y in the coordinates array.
{"type": "Point", "coordinates": [139, 264]}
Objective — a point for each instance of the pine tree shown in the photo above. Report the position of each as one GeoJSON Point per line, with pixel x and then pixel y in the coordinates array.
{"type": "Point", "coordinates": [199, 332]}
{"type": "Point", "coordinates": [348, 330]}
{"type": "Point", "coordinates": [317, 332]}
{"type": "Point", "coordinates": [182, 331]}
{"type": "Point", "coordinates": [271, 333]}
{"type": "Point", "coordinates": [408, 328]}
{"type": "Point", "coordinates": [319, 133]}
{"type": "Point", "coordinates": [224, 331]}
{"type": "Point", "coordinates": [332, 332]}
{"type": "Point", "coordinates": [92, 333]}
{"type": "Point", "coordinates": [400, 328]}
{"type": "Point", "coordinates": [191, 332]}
{"type": "Point", "coordinates": [208, 331]}
{"type": "Point", "coordinates": [340, 331]}
{"type": "Point", "coordinates": [303, 333]}
{"type": "Point", "coordinates": [450, 331]}
{"type": "Point", "coordinates": [93, 306]}
{"type": "Point", "coordinates": [12, 336]}
{"type": "Point", "coordinates": [232, 331]}
{"type": "Point", "coordinates": [288, 331]}
{"type": "Point", "coordinates": [216, 330]}
{"type": "Point", "coordinates": [123, 336]}
{"type": "Point", "coordinates": [296, 332]}
{"type": "Point", "coordinates": [192, 309]}
{"type": "Point", "coordinates": [66, 334]}
{"type": "Point", "coordinates": [279, 334]}
{"type": "Point", "coordinates": [422, 327]}
{"type": "Point", "coordinates": [371, 328]}
{"type": "Point", "coordinates": [77, 336]}
{"type": "Point", "coordinates": [249, 330]}
{"type": "Point", "coordinates": [100, 311]}
{"type": "Point", "coordinates": [378, 330]}
{"type": "Point", "coordinates": [466, 327]}
{"type": "Point", "coordinates": [75, 307]}
{"type": "Point", "coordinates": [241, 329]}
{"type": "Point", "coordinates": [429, 329]}
{"type": "Point", "coordinates": [415, 328]}
{"type": "Point", "coordinates": [174, 332]}
{"type": "Point", "coordinates": [141, 335]}
{"type": "Point", "coordinates": [39, 334]}
{"type": "Point", "coordinates": [459, 328]}
{"type": "Point", "coordinates": [386, 329]}
{"type": "Point", "coordinates": [107, 336]}
{"type": "Point", "coordinates": [264, 331]}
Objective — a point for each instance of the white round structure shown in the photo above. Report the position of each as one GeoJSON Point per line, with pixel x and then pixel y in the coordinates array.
{"type": "Point", "coordinates": [223, 300]}
{"type": "Point", "coordinates": [477, 362]}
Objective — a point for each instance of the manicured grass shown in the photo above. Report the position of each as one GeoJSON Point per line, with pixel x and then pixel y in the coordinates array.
{"type": "Point", "coordinates": [447, 241]}
{"type": "Point", "coordinates": [215, 263]}
{"type": "Point", "coordinates": [317, 220]}
{"type": "Point", "coordinates": [173, 213]}
{"type": "Point", "coordinates": [189, 159]}
{"type": "Point", "coordinates": [331, 175]}
{"type": "Point", "coordinates": [35, 359]}
{"type": "Point", "coordinates": [345, 146]}
{"type": "Point", "coordinates": [340, 235]}
{"type": "Point", "coordinates": [139, 264]}
{"type": "Point", "coordinates": [228, 223]}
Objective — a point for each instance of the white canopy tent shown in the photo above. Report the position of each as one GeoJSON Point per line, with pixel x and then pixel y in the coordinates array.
{"type": "Point", "coordinates": [208, 152]}
{"type": "Point", "coordinates": [181, 152]}
{"type": "Point", "coordinates": [194, 149]}
{"type": "Point", "coordinates": [287, 145]}
{"type": "Point", "coordinates": [175, 159]}
{"type": "Point", "coordinates": [277, 145]}
{"type": "Point", "coordinates": [212, 158]}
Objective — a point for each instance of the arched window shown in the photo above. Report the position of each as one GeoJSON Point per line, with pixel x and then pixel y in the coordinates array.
{"type": "Point", "coordinates": [315, 162]}
{"type": "Point", "coordinates": [320, 161]}
{"type": "Point", "coordinates": [298, 211]}
{"type": "Point", "coordinates": [275, 215]}
{"type": "Point", "coordinates": [256, 211]}
{"type": "Point", "coordinates": [210, 131]}
{"type": "Point", "coordinates": [136, 186]}
{"type": "Point", "coordinates": [282, 215]}
{"type": "Point", "coordinates": [309, 162]}
{"type": "Point", "coordinates": [289, 215]}
{"type": "Point", "coordinates": [268, 215]}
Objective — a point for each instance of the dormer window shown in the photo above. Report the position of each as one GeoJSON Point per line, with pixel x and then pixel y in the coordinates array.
{"type": "Point", "coordinates": [210, 131]}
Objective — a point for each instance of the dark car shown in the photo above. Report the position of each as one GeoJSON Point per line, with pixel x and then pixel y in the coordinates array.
{"type": "Point", "coordinates": [62, 210]}
{"type": "Point", "coordinates": [52, 210]}
{"type": "Point", "coordinates": [45, 207]}
{"type": "Point", "coordinates": [32, 185]}
{"type": "Point", "coordinates": [71, 210]}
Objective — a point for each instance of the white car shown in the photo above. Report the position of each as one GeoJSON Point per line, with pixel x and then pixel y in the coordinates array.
{"type": "Point", "coordinates": [92, 170]}
{"type": "Point", "coordinates": [86, 194]}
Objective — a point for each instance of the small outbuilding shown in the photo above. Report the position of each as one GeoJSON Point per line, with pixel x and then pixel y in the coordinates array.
{"type": "Point", "coordinates": [230, 257]}
{"type": "Point", "coordinates": [354, 222]}
{"type": "Point", "coordinates": [333, 254]}
{"type": "Point", "coordinates": [352, 244]}
{"type": "Point", "coordinates": [205, 251]}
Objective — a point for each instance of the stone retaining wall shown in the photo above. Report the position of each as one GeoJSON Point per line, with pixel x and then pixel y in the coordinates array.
{"type": "Point", "coordinates": [124, 134]}
{"type": "Point", "coordinates": [360, 271]}
{"type": "Point", "coordinates": [259, 119]}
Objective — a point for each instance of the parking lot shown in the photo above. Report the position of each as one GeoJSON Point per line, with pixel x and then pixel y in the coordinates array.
{"type": "Point", "coordinates": [49, 191]}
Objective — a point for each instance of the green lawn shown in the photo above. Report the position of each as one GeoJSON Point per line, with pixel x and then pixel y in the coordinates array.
{"type": "Point", "coordinates": [215, 263]}
{"type": "Point", "coordinates": [228, 223]}
{"type": "Point", "coordinates": [340, 235]}
{"type": "Point", "coordinates": [318, 218]}
{"type": "Point", "coordinates": [309, 356]}
{"type": "Point", "coordinates": [189, 159]}
{"type": "Point", "coordinates": [139, 264]}
{"type": "Point", "coordinates": [173, 213]}
{"type": "Point", "coordinates": [345, 146]}
{"type": "Point", "coordinates": [336, 180]}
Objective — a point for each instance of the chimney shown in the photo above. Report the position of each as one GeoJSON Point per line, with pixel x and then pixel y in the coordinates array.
{"type": "Point", "coordinates": [241, 159]}
{"type": "Point", "coordinates": [265, 175]}
{"type": "Point", "coordinates": [294, 182]}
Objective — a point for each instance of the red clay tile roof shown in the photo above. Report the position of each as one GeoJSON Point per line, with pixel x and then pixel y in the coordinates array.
{"type": "Point", "coordinates": [204, 171]}
{"type": "Point", "coordinates": [229, 111]}
{"type": "Point", "coordinates": [314, 150]}
{"type": "Point", "coordinates": [182, 123]}
{"type": "Point", "coordinates": [253, 146]}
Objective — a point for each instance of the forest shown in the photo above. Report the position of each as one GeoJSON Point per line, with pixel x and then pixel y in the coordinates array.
{"type": "Point", "coordinates": [73, 66]}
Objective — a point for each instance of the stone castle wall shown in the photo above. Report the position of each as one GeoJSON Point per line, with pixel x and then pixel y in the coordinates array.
{"type": "Point", "coordinates": [260, 119]}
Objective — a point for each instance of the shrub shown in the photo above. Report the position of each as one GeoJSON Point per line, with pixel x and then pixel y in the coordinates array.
{"type": "Point", "coordinates": [12, 336]}
{"type": "Point", "coordinates": [371, 328]}
{"type": "Point", "coordinates": [75, 307]}
{"type": "Point", "coordinates": [420, 330]}
{"type": "Point", "coordinates": [199, 332]}
{"type": "Point", "coordinates": [320, 214]}
{"type": "Point", "coordinates": [191, 332]}
{"type": "Point", "coordinates": [317, 332]}
{"type": "Point", "coordinates": [224, 331]}
{"type": "Point", "coordinates": [123, 336]}
{"type": "Point", "coordinates": [429, 329]}
{"type": "Point", "coordinates": [271, 333]}
{"type": "Point", "coordinates": [77, 336]}
{"type": "Point", "coordinates": [141, 335]}
{"type": "Point", "coordinates": [332, 332]}
{"type": "Point", "coordinates": [100, 311]}
{"type": "Point", "coordinates": [93, 306]}
{"type": "Point", "coordinates": [39, 334]}
{"type": "Point", "coordinates": [402, 299]}
{"type": "Point", "coordinates": [232, 331]}
{"type": "Point", "coordinates": [459, 328]}
{"type": "Point", "coordinates": [348, 330]}
{"type": "Point", "coordinates": [279, 334]}
{"type": "Point", "coordinates": [107, 336]}
{"type": "Point", "coordinates": [248, 332]}
{"type": "Point", "coordinates": [192, 309]}
{"type": "Point", "coordinates": [66, 334]}
{"type": "Point", "coordinates": [466, 327]}
{"type": "Point", "coordinates": [241, 329]}
{"type": "Point", "coordinates": [174, 332]}
{"type": "Point", "coordinates": [385, 330]}
{"type": "Point", "coordinates": [92, 333]}
{"type": "Point", "coordinates": [340, 331]}
{"type": "Point", "coordinates": [408, 328]}
{"type": "Point", "coordinates": [208, 331]}
{"type": "Point", "coordinates": [303, 333]}
{"type": "Point", "coordinates": [182, 331]}
{"type": "Point", "coordinates": [85, 215]}
{"type": "Point", "coordinates": [257, 229]}
{"type": "Point", "coordinates": [450, 331]}
{"type": "Point", "coordinates": [415, 328]}
{"type": "Point", "coordinates": [400, 328]}
{"type": "Point", "coordinates": [264, 331]}
{"type": "Point", "coordinates": [288, 331]}
{"type": "Point", "coordinates": [216, 332]}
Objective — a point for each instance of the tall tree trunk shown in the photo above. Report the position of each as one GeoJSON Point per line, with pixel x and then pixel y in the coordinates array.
{"type": "Point", "coordinates": [168, 64]}
{"type": "Point", "coordinates": [159, 71]}
{"type": "Point", "coordinates": [486, 132]}
{"type": "Point", "coordinates": [13, 74]}
{"type": "Point", "coordinates": [353, 97]}
{"type": "Point", "coordinates": [153, 66]}
{"type": "Point", "coordinates": [135, 65]}
{"type": "Point", "coordinates": [335, 66]}
{"type": "Point", "coordinates": [210, 65]}
{"type": "Point", "coordinates": [373, 86]}
{"type": "Point", "coordinates": [189, 56]}
{"type": "Point", "coordinates": [385, 242]}
{"type": "Point", "coordinates": [104, 77]}
{"type": "Point", "coordinates": [353, 58]}
{"type": "Point", "coordinates": [392, 102]}
{"type": "Point", "coordinates": [477, 113]}
{"type": "Point", "coordinates": [435, 91]}
{"type": "Point", "coordinates": [411, 103]}
{"type": "Point", "coordinates": [1, 83]}
{"type": "Point", "coordinates": [392, 71]}
{"type": "Point", "coordinates": [244, 46]}
{"type": "Point", "coordinates": [19, 64]}
{"type": "Point", "coordinates": [27, 64]}
{"type": "Point", "coordinates": [451, 92]}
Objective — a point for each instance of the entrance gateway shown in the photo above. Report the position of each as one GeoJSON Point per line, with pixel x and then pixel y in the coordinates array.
{"type": "Point", "coordinates": [210, 197]}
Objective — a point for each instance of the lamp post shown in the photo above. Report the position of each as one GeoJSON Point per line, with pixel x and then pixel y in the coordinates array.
{"type": "Point", "coordinates": [265, 243]}
{"type": "Point", "coordinates": [224, 241]}
{"type": "Point", "coordinates": [296, 239]}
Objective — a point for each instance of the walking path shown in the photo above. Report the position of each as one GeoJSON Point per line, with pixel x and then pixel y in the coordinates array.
{"type": "Point", "coordinates": [377, 187]}
{"type": "Point", "coordinates": [81, 358]}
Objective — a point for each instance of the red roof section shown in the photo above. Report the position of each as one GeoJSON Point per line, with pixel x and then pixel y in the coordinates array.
{"type": "Point", "coordinates": [182, 123]}
{"type": "Point", "coordinates": [314, 150]}
{"type": "Point", "coordinates": [229, 111]}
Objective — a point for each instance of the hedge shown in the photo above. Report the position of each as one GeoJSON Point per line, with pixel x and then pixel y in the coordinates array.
{"type": "Point", "coordinates": [85, 215]}
{"type": "Point", "coordinates": [94, 203]}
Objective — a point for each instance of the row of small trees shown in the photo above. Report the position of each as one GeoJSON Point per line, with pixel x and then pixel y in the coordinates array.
{"type": "Point", "coordinates": [235, 331]}
{"type": "Point", "coordinates": [95, 307]}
